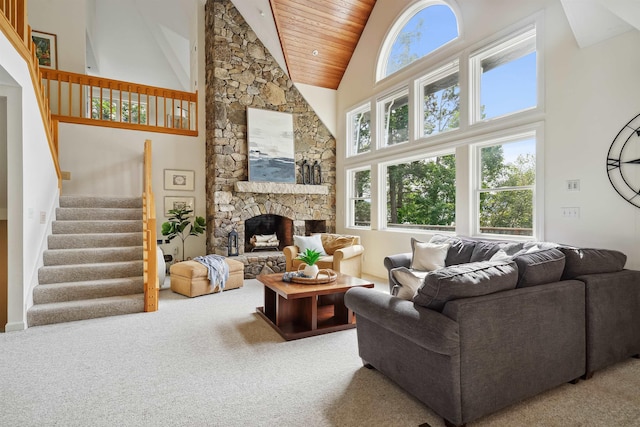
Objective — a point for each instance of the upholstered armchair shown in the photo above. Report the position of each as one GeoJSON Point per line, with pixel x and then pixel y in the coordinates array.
{"type": "Point", "coordinates": [343, 253]}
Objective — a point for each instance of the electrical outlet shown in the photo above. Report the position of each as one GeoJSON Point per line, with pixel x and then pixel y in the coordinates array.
{"type": "Point", "coordinates": [573, 185]}
{"type": "Point", "coordinates": [573, 212]}
{"type": "Point", "coordinates": [43, 217]}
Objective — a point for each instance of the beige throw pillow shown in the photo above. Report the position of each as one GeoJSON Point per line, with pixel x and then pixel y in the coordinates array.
{"type": "Point", "coordinates": [429, 256]}
{"type": "Point", "coordinates": [332, 243]}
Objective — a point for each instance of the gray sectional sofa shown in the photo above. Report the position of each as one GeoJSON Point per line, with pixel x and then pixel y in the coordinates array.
{"type": "Point", "coordinates": [486, 331]}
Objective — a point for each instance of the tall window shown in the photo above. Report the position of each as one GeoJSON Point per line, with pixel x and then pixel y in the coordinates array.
{"type": "Point", "coordinates": [440, 101]}
{"type": "Point", "coordinates": [422, 29]}
{"type": "Point", "coordinates": [505, 186]}
{"type": "Point", "coordinates": [394, 111]}
{"type": "Point", "coordinates": [505, 77]}
{"type": "Point", "coordinates": [421, 194]}
{"type": "Point", "coordinates": [359, 122]}
{"type": "Point", "coordinates": [360, 198]}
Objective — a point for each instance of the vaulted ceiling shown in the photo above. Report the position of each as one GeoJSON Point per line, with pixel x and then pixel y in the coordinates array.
{"type": "Point", "coordinates": [319, 37]}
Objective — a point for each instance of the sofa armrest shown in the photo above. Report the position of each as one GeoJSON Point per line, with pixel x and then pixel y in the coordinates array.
{"type": "Point", "coordinates": [290, 252]}
{"type": "Point", "coordinates": [426, 328]}
{"type": "Point", "coordinates": [394, 261]}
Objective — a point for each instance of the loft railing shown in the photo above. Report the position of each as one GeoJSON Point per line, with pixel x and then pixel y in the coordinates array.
{"type": "Point", "coordinates": [13, 23]}
{"type": "Point", "coordinates": [90, 100]}
{"type": "Point", "coordinates": [150, 260]}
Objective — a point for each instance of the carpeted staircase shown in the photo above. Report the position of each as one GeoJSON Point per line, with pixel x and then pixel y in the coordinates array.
{"type": "Point", "coordinates": [93, 267]}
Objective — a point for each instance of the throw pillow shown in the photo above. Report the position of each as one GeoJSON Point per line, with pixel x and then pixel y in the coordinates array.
{"type": "Point", "coordinates": [332, 242]}
{"type": "Point", "coordinates": [483, 251]}
{"type": "Point", "coordinates": [428, 256]}
{"type": "Point", "coordinates": [309, 242]}
{"type": "Point", "coordinates": [539, 267]}
{"type": "Point", "coordinates": [591, 261]}
{"type": "Point", "coordinates": [460, 249]}
{"type": "Point", "coordinates": [464, 281]}
{"type": "Point", "coordinates": [408, 280]}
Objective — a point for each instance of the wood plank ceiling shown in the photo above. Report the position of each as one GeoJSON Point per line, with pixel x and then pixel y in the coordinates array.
{"type": "Point", "coordinates": [318, 37]}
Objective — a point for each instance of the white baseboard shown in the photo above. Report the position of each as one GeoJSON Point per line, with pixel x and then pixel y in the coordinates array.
{"type": "Point", "coordinates": [15, 326]}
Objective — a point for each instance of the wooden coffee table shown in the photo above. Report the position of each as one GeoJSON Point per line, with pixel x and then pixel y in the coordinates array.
{"type": "Point", "coordinates": [302, 310]}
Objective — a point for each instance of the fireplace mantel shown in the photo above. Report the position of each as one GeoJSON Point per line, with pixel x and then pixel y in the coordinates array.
{"type": "Point", "coordinates": [279, 188]}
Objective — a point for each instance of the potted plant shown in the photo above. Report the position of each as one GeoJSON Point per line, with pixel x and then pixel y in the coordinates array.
{"type": "Point", "coordinates": [179, 225]}
{"type": "Point", "coordinates": [309, 257]}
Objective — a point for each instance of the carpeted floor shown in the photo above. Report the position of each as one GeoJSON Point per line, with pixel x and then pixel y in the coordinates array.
{"type": "Point", "coordinates": [211, 361]}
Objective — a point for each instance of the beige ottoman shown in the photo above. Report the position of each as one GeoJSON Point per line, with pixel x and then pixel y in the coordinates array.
{"type": "Point", "coordinates": [191, 278]}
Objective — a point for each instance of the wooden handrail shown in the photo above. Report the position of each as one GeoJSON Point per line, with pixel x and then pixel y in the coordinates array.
{"type": "Point", "coordinates": [150, 260]}
{"type": "Point", "coordinates": [13, 23]}
{"type": "Point", "coordinates": [91, 100]}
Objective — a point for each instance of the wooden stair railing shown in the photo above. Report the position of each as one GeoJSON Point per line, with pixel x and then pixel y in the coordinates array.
{"type": "Point", "coordinates": [13, 23]}
{"type": "Point", "coordinates": [91, 100]}
{"type": "Point", "coordinates": [150, 260]}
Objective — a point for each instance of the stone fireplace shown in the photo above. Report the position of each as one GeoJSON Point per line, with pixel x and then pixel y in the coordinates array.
{"type": "Point", "coordinates": [241, 73]}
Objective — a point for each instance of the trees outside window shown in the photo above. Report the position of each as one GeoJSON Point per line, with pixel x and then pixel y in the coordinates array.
{"type": "Point", "coordinates": [394, 111]}
{"type": "Point", "coordinates": [506, 188]}
{"type": "Point", "coordinates": [359, 122]}
{"type": "Point", "coordinates": [422, 194]}
{"type": "Point", "coordinates": [360, 198]}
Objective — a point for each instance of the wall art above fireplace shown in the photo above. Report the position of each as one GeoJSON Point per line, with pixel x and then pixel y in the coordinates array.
{"type": "Point", "coordinates": [271, 147]}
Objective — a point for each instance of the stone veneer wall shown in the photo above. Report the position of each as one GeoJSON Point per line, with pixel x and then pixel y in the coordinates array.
{"type": "Point", "coordinates": [241, 73]}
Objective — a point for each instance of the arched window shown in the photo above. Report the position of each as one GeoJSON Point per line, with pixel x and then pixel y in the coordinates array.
{"type": "Point", "coordinates": [421, 29]}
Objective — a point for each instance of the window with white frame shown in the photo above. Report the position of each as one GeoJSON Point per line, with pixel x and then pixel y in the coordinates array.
{"type": "Point", "coordinates": [359, 197]}
{"type": "Point", "coordinates": [415, 180]}
{"type": "Point", "coordinates": [505, 178]}
{"type": "Point", "coordinates": [394, 118]}
{"type": "Point", "coordinates": [504, 77]}
{"type": "Point", "coordinates": [423, 28]}
{"type": "Point", "coordinates": [359, 123]}
{"type": "Point", "coordinates": [421, 193]}
{"type": "Point", "coordinates": [439, 101]}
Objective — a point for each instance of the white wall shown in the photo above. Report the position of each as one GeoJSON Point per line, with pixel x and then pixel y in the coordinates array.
{"type": "Point", "coordinates": [33, 185]}
{"type": "Point", "coordinates": [108, 162]}
{"type": "Point", "coordinates": [589, 96]}
{"type": "Point", "coordinates": [65, 19]}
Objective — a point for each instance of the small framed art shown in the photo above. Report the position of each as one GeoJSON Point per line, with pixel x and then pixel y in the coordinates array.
{"type": "Point", "coordinates": [46, 49]}
{"type": "Point", "coordinates": [174, 202]}
{"type": "Point", "coordinates": [179, 180]}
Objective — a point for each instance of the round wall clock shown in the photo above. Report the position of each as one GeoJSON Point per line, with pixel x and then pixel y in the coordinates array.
{"type": "Point", "coordinates": [623, 162]}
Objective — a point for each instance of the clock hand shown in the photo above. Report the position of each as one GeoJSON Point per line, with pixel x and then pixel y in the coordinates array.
{"type": "Point", "coordinates": [635, 162]}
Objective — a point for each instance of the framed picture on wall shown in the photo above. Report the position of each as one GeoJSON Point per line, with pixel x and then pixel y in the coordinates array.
{"type": "Point", "coordinates": [174, 202]}
{"type": "Point", "coordinates": [179, 180]}
{"type": "Point", "coordinates": [271, 146]}
{"type": "Point", "coordinates": [46, 49]}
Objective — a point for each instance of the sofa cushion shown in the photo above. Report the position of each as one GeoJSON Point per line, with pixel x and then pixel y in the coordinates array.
{"type": "Point", "coordinates": [333, 242]}
{"type": "Point", "coordinates": [409, 281]}
{"type": "Point", "coordinates": [539, 267]}
{"type": "Point", "coordinates": [460, 250]}
{"type": "Point", "coordinates": [465, 280]}
{"type": "Point", "coordinates": [581, 261]}
{"type": "Point", "coordinates": [309, 242]}
{"type": "Point", "coordinates": [428, 256]}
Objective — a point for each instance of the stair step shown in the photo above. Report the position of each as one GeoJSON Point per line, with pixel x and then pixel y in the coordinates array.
{"type": "Point", "coordinates": [88, 256]}
{"type": "Point", "coordinates": [92, 227]}
{"type": "Point", "coordinates": [80, 214]}
{"type": "Point", "coordinates": [107, 240]}
{"type": "Point", "coordinates": [100, 202]}
{"type": "Point", "coordinates": [69, 311]}
{"type": "Point", "coordinates": [85, 272]}
{"type": "Point", "coordinates": [73, 291]}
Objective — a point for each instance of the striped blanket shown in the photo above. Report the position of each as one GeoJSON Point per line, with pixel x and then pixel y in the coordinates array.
{"type": "Point", "coordinates": [218, 269]}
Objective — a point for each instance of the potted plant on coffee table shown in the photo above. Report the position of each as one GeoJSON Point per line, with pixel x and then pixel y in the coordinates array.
{"type": "Point", "coordinates": [309, 257]}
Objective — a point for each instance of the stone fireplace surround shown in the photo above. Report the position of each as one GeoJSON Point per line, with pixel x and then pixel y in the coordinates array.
{"type": "Point", "coordinates": [241, 73]}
